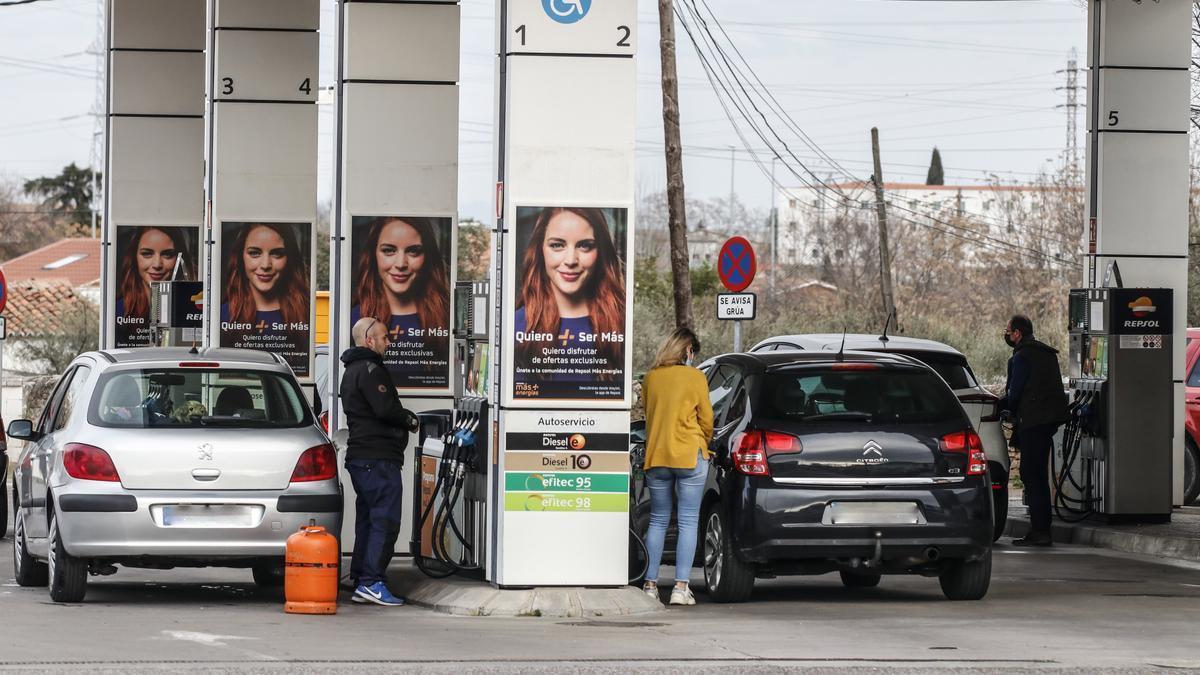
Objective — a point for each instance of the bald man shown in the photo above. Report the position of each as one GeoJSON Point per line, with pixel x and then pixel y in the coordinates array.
{"type": "Point", "coordinates": [379, 427]}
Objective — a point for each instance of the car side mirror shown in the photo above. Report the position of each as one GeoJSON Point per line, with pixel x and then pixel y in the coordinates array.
{"type": "Point", "coordinates": [21, 430]}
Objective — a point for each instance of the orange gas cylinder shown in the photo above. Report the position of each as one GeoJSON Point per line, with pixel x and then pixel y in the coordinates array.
{"type": "Point", "coordinates": [310, 581]}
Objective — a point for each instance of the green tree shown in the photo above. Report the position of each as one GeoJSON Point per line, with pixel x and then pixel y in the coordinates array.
{"type": "Point", "coordinates": [68, 195]}
{"type": "Point", "coordinates": [936, 175]}
{"type": "Point", "coordinates": [474, 242]}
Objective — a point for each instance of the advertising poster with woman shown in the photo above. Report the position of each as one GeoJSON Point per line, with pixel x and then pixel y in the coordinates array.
{"type": "Point", "coordinates": [266, 282]}
{"type": "Point", "coordinates": [400, 276]}
{"type": "Point", "coordinates": [145, 255]}
{"type": "Point", "coordinates": [569, 327]}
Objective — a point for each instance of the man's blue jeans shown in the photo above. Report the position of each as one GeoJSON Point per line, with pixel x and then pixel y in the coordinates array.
{"type": "Point", "coordinates": [378, 485]}
{"type": "Point", "coordinates": [666, 487]}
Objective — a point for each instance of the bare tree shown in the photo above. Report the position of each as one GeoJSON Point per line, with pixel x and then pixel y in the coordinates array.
{"type": "Point", "coordinates": [50, 353]}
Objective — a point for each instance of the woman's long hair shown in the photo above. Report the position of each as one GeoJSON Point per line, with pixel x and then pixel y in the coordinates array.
{"type": "Point", "coordinates": [133, 290]}
{"type": "Point", "coordinates": [673, 350]}
{"type": "Point", "coordinates": [292, 284]}
{"type": "Point", "coordinates": [605, 290]}
{"type": "Point", "coordinates": [431, 287]}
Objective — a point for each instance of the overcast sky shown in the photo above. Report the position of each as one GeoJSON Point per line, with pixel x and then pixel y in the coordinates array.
{"type": "Point", "coordinates": [978, 79]}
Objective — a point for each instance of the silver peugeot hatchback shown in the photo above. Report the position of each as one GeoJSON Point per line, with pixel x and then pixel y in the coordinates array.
{"type": "Point", "coordinates": [165, 457]}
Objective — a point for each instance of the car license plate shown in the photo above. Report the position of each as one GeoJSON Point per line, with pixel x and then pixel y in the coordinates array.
{"type": "Point", "coordinates": [211, 515]}
{"type": "Point", "coordinates": [873, 513]}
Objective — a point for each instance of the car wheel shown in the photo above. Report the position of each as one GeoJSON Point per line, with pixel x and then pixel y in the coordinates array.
{"type": "Point", "coordinates": [268, 573]}
{"type": "Point", "coordinates": [1191, 472]}
{"type": "Point", "coordinates": [27, 570]}
{"type": "Point", "coordinates": [967, 579]}
{"type": "Point", "coordinates": [860, 579]}
{"type": "Point", "coordinates": [728, 578]}
{"type": "Point", "coordinates": [68, 574]}
{"type": "Point", "coordinates": [1000, 509]}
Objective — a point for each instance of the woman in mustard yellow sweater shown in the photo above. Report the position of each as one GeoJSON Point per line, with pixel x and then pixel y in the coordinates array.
{"type": "Point", "coordinates": [679, 426]}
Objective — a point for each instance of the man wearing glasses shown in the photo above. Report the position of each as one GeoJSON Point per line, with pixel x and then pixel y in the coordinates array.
{"type": "Point", "coordinates": [1036, 404]}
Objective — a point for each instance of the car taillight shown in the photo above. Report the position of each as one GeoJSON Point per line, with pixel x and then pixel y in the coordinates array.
{"type": "Point", "coordinates": [323, 419]}
{"type": "Point", "coordinates": [967, 443]}
{"type": "Point", "coordinates": [989, 402]}
{"type": "Point", "coordinates": [87, 462]}
{"type": "Point", "coordinates": [855, 365]}
{"type": "Point", "coordinates": [754, 447]}
{"type": "Point", "coordinates": [319, 463]}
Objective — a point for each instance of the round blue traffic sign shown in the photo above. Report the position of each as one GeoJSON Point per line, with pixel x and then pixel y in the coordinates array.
{"type": "Point", "coordinates": [3, 291]}
{"type": "Point", "coordinates": [736, 264]}
{"type": "Point", "coordinates": [566, 11]}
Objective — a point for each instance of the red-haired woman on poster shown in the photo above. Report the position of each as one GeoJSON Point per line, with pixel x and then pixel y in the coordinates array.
{"type": "Point", "coordinates": [148, 254]}
{"type": "Point", "coordinates": [571, 306]}
{"type": "Point", "coordinates": [267, 291]}
{"type": "Point", "coordinates": [401, 280]}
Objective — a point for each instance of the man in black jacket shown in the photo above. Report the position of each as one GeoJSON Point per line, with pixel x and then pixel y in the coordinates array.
{"type": "Point", "coordinates": [1036, 404]}
{"type": "Point", "coordinates": [379, 427]}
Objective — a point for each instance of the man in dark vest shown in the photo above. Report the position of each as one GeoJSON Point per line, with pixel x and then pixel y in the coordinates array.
{"type": "Point", "coordinates": [379, 427]}
{"type": "Point", "coordinates": [1036, 404]}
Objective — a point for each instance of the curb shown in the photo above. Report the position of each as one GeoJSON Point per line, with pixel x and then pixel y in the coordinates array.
{"type": "Point", "coordinates": [1123, 540]}
{"type": "Point", "coordinates": [464, 597]}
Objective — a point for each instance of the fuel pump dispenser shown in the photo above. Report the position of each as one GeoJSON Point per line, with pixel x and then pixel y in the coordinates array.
{"type": "Point", "coordinates": [449, 532]}
{"type": "Point", "coordinates": [1116, 450]}
{"type": "Point", "coordinates": [177, 313]}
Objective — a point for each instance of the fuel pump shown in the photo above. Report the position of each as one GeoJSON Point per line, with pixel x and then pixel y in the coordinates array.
{"type": "Point", "coordinates": [1117, 442]}
{"type": "Point", "coordinates": [449, 533]}
{"type": "Point", "coordinates": [177, 313]}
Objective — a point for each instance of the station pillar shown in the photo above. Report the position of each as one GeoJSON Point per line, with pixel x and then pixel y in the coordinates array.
{"type": "Point", "coordinates": [562, 292]}
{"type": "Point", "coordinates": [154, 158]}
{"type": "Point", "coordinates": [394, 239]}
{"type": "Point", "coordinates": [261, 179]}
{"type": "Point", "coordinates": [1139, 55]}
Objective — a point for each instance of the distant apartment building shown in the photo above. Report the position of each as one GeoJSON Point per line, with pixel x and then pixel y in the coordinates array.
{"type": "Point", "coordinates": [805, 212]}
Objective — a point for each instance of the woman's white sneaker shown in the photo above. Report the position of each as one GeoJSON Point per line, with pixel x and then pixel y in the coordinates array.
{"type": "Point", "coordinates": [682, 596]}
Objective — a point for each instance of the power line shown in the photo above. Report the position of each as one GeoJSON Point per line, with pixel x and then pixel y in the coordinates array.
{"type": "Point", "coordinates": [717, 76]}
{"type": "Point", "coordinates": [10, 3]}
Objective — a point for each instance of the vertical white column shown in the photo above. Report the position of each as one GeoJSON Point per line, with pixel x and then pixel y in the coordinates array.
{"type": "Point", "coordinates": [396, 217]}
{"type": "Point", "coordinates": [563, 283]}
{"type": "Point", "coordinates": [1138, 164]}
{"type": "Point", "coordinates": [262, 178]}
{"type": "Point", "coordinates": [154, 157]}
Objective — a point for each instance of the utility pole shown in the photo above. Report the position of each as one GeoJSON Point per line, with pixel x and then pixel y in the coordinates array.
{"type": "Point", "coordinates": [885, 255]}
{"type": "Point", "coordinates": [677, 216]}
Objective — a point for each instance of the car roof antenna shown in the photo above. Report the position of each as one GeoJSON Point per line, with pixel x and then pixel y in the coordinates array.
{"type": "Point", "coordinates": [886, 324]}
{"type": "Point", "coordinates": [841, 355]}
{"type": "Point", "coordinates": [193, 350]}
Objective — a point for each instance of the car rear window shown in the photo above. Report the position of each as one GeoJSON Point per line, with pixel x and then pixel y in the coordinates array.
{"type": "Point", "coordinates": [953, 369]}
{"type": "Point", "coordinates": [195, 397]}
{"type": "Point", "coordinates": [888, 395]}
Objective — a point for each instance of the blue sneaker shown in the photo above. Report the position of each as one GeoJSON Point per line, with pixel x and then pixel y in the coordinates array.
{"type": "Point", "coordinates": [379, 594]}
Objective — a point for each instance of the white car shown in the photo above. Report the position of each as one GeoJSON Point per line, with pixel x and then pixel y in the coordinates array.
{"type": "Point", "coordinates": [980, 405]}
{"type": "Point", "coordinates": [165, 457]}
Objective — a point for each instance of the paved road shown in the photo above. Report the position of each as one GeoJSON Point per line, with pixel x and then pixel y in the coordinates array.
{"type": "Point", "coordinates": [1065, 609]}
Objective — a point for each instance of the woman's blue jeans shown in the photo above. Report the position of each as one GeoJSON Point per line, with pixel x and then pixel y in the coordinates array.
{"type": "Point", "coordinates": [666, 487]}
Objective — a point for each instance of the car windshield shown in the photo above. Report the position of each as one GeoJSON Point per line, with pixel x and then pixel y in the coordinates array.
{"type": "Point", "coordinates": [197, 397]}
{"type": "Point", "coordinates": [864, 393]}
{"type": "Point", "coordinates": [953, 369]}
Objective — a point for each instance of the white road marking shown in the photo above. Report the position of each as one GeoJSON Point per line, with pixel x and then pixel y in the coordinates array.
{"type": "Point", "coordinates": [206, 639]}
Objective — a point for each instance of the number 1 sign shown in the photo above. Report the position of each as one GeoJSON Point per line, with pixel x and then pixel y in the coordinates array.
{"type": "Point", "coordinates": [572, 27]}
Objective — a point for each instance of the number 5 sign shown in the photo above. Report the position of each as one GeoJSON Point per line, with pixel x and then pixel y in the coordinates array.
{"type": "Point", "coordinates": [583, 27]}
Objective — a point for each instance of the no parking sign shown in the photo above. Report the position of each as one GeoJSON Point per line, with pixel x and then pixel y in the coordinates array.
{"type": "Point", "coordinates": [3, 291]}
{"type": "Point", "coordinates": [736, 264]}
